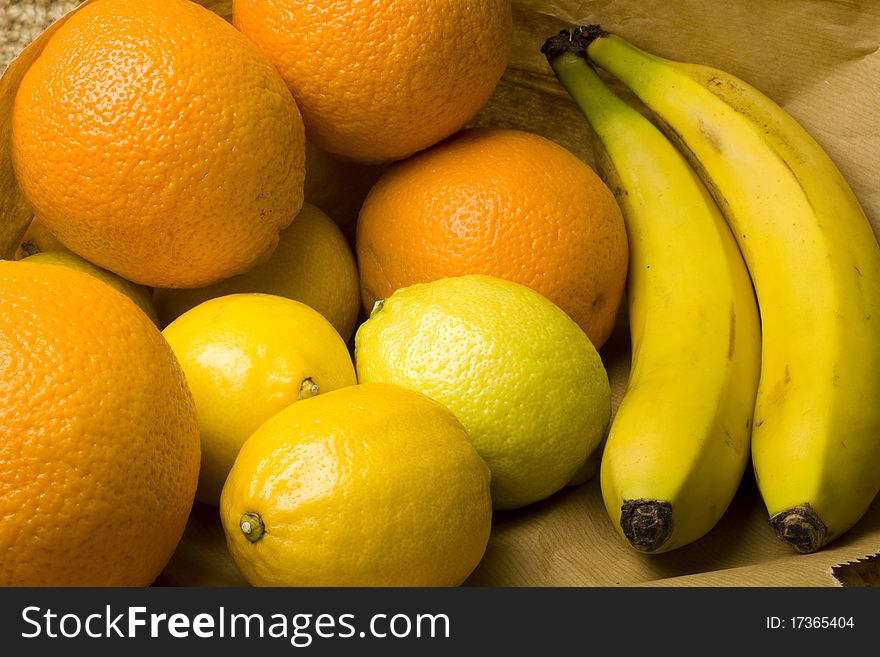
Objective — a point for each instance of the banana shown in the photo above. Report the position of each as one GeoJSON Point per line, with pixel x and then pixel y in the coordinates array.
{"type": "Point", "coordinates": [679, 442]}
{"type": "Point", "coordinates": [814, 261]}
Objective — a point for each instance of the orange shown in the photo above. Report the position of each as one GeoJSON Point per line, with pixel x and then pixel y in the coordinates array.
{"type": "Point", "coordinates": [504, 203]}
{"type": "Point", "coordinates": [99, 440]}
{"type": "Point", "coordinates": [141, 295]}
{"type": "Point", "coordinates": [377, 81]}
{"type": "Point", "coordinates": [153, 139]}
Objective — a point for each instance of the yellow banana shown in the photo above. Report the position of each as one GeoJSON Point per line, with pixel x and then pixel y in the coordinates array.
{"type": "Point", "coordinates": [815, 264]}
{"type": "Point", "coordinates": [679, 441]}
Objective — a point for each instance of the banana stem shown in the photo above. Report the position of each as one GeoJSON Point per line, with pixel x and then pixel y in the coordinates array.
{"type": "Point", "coordinates": [603, 109]}
{"type": "Point", "coordinates": [600, 49]}
{"type": "Point", "coordinates": [575, 40]}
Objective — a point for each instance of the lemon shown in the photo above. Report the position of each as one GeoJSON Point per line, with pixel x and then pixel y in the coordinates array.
{"type": "Point", "coordinates": [523, 378]}
{"type": "Point", "coordinates": [313, 263]}
{"type": "Point", "coordinates": [246, 356]}
{"type": "Point", "coordinates": [137, 293]}
{"type": "Point", "coordinates": [368, 485]}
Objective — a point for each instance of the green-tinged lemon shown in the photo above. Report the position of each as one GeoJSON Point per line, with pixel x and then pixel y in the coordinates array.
{"type": "Point", "coordinates": [520, 374]}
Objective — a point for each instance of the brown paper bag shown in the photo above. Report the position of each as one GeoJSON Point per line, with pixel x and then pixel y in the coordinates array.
{"type": "Point", "coordinates": [820, 61]}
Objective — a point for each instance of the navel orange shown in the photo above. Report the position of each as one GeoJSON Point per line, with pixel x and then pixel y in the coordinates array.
{"type": "Point", "coordinates": [377, 81]}
{"type": "Point", "coordinates": [155, 140]}
{"type": "Point", "coordinates": [99, 440]}
{"type": "Point", "coordinates": [140, 294]}
{"type": "Point", "coordinates": [501, 202]}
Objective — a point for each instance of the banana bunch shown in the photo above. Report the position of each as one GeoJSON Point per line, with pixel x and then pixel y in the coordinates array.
{"type": "Point", "coordinates": [814, 262]}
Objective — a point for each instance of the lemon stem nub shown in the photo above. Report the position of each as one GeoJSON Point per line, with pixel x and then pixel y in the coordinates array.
{"type": "Point", "coordinates": [252, 527]}
{"type": "Point", "coordinates": [308, 389]}
{"type": "Point", "coordinates": [29, 248]}
{"type": "Point", "coordinates": [377, 307]}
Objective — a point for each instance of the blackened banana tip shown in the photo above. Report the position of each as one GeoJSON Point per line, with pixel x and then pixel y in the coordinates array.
{"type": "Point", "coordinates": [584, 35]}
{"type": "Point", "coordinates": [572, 40]}
{"type": "Point", "coordinates": [557, 45]}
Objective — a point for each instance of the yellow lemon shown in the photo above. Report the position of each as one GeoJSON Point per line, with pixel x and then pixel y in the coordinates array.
{"type": "Point", "coordinates": [369, 485]}
{"type": "Point", "coordinates": [519, 373]}
{"type": "Point", "coordinates": [246, 356]}
{"type": "Point", "coordinates": [140, 294]}
{"type": "Point", "coordinates": [313, 263]}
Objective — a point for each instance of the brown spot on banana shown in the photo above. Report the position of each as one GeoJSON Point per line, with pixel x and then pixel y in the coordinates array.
{"type": "Point", "coordinates": [711, 136]}
{"type": "Point", "coordinates": [731, 345]}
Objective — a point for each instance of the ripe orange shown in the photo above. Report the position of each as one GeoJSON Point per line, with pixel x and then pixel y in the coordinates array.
{"type": "Point", "coordinates": [99, 440]}
{"type": "Point", "coordinates": [500, 202]}
{"type": "Point", "coordinates": [153, 139]}
{"type": "Point", "coordinates": [377, 81]}
{"type": "Point", "coordinates": [140, 294]}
